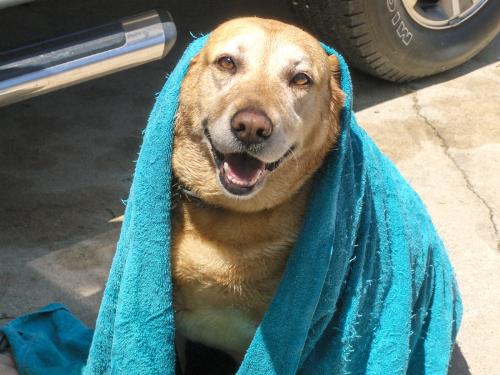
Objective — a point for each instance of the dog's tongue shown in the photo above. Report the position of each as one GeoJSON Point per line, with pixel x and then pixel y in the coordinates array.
{"type": "Point", "coordinates": [242, 169]}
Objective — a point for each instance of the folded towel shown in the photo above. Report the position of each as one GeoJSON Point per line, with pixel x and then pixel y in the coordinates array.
{"type": "Point", "coordinates": [368, 287]}
{"type": "Point", "coordinates": [50, 341]}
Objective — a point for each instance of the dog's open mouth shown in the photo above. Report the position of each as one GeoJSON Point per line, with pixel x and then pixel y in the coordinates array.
{"type": "Point", "coordinates": [241, 173]}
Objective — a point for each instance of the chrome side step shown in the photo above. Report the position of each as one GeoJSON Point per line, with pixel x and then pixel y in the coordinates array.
{"type": "Point", "coordinates": [11, 3]}
{"type": "Point", "coordinates": [56, 63]}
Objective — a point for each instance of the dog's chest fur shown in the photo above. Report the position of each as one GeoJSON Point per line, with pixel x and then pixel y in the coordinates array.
{"type": "Point", "coordinates": [226, 266]}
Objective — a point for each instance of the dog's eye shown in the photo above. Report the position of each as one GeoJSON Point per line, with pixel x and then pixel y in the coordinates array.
{"type": "Point", "coordinates": [226, 63]}
{"type": "Point", "coordinates": [301, 79]}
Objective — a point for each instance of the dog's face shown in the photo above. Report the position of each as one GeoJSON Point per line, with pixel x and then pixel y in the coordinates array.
{"type": "Point", "coordinates": [258, 111]}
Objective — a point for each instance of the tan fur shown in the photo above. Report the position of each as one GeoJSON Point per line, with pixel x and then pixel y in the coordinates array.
{"type": "Point", "coordinates": [228, 257]}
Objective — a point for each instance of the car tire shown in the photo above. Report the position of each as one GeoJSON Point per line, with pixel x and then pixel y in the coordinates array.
{"type": "Point", "coordinates": [382, 38]}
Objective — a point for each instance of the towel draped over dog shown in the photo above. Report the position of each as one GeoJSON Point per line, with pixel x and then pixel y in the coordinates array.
{"type": "Point", "coordinates": [368, 287]}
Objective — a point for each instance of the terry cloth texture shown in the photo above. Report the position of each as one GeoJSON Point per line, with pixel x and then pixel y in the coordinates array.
{"type": "Point", "coordinates": [368, 288]}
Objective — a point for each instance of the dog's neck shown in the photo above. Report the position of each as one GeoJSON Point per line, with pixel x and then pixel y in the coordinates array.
{"type": "Point", "coordinates": [183, 192]}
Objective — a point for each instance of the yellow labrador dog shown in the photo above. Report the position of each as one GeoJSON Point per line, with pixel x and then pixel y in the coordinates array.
{"type": "Point", "coordinates": [258, 112]}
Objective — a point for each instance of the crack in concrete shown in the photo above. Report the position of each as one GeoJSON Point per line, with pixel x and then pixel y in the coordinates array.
{"type": "Point", "coordinates": [446, 149]}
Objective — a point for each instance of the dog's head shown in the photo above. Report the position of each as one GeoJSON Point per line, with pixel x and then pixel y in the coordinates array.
{"type": "Point", "coordinates": [258, 111]}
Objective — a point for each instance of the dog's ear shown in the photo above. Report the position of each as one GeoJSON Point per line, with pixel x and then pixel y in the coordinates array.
{"type": "Point", "coordinates": [187, 95]}
{"type": "Point", "coordinates": [334, 67]}
{"type": "Point", "coordinates": [194, 60]}
{"type": "Point", "coordinates": [337, 96]}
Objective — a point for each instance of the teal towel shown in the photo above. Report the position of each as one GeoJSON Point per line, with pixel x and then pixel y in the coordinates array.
{"type": "Point", "coordinates": [50, 341]}
{"type": "Point", "coordinates": [368, 288]}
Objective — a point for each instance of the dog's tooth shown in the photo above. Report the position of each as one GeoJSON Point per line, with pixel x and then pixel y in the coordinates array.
{"type": "Point", "coordinates": [226, 168]}
{"type": "Point", "coordinates": [256, 178]}
{"type": "Point", "coordinates": [259, 175]}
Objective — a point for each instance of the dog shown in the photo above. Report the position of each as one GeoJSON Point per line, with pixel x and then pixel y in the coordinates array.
{"type": "Point", "coordinates": [258, 112]}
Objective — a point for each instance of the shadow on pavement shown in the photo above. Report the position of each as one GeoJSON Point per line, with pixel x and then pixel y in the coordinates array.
{"type": "Point", "coordinates": [458, 364]}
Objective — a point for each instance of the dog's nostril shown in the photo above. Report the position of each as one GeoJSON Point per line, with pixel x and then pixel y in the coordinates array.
{"type": "Point", "coordinates": [262, 133]}
{"type": "Point", "coordinates": [251, 126]}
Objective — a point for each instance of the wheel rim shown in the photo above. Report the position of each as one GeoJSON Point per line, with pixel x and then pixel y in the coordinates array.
{"type": "Point", "coordinates": [442, 14]}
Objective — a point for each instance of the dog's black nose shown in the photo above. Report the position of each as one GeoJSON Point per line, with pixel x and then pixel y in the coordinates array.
{"type": "Point", "coordinates": [251, 126]}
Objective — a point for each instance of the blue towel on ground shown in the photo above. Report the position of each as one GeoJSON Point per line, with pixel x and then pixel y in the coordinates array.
{"type": "Point", "coordinates": [368, 288]}
{"type": "Point", "coordinates": [50, 341]}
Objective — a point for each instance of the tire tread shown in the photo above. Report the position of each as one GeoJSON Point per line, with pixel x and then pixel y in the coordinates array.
{"type": "Point", "coordinates": [347, 21]}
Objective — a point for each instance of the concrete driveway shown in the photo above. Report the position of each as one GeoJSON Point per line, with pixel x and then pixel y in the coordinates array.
{"type": "Point", "coordinates": [66, 160]}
